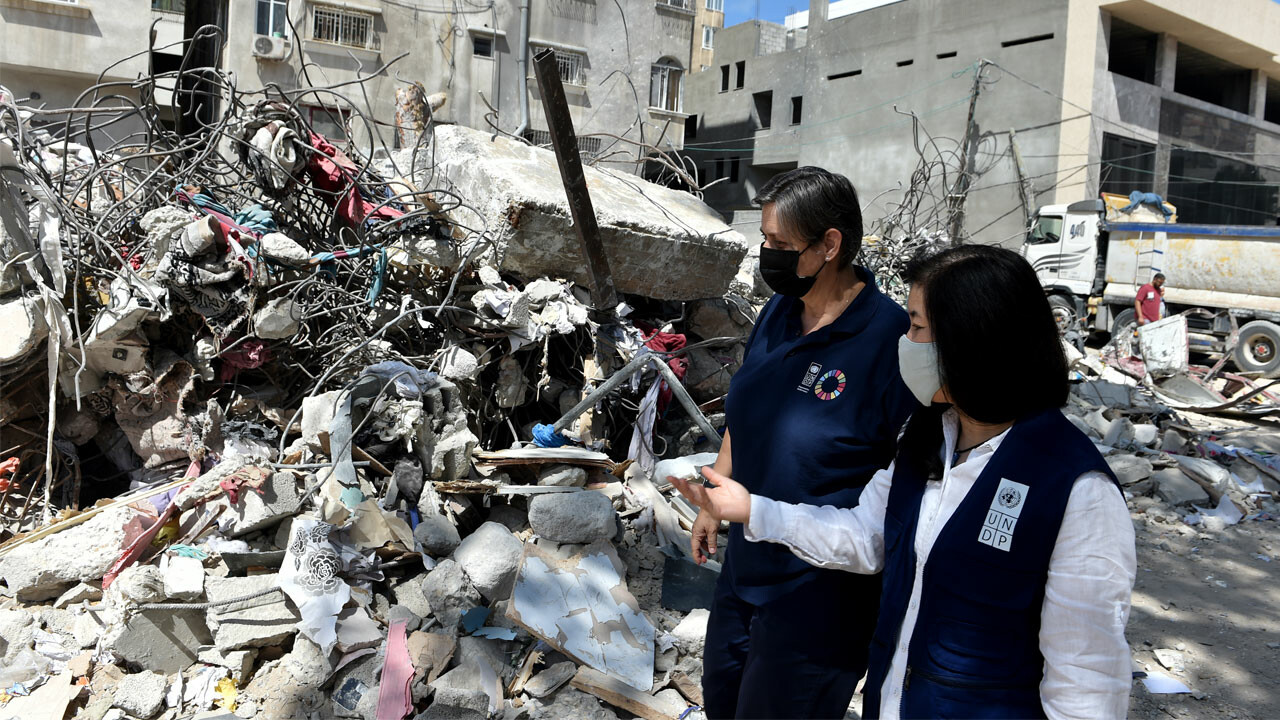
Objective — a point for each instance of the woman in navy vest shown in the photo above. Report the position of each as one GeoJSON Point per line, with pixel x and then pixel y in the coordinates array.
{"type": "Point", "coordinates": [812, 414]}
{"type": "Point", "coordinates": [1005, 544]}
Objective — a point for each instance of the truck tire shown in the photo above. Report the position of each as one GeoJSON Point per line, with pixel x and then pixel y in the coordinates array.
{"type": "Point", "coordinates": [1259, 348]}
{"type": "Point", "coordinates": [1122, 333]}
{"type": "Point", "coordinates": [1064, 312]}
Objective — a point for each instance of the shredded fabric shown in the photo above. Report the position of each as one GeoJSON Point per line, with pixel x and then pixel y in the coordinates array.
{"type": "Point", "coordinates": [394, 699]}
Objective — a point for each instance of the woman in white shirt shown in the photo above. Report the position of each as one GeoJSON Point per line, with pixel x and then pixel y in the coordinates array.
{"type": "Point", "coordinates": [1004, 540]}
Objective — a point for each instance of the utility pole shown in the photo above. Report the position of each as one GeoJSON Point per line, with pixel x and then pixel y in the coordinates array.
{"type": "Point", "coordinates": [958, 192]}
{"type": "Point", "coordinates": [1026, 187]}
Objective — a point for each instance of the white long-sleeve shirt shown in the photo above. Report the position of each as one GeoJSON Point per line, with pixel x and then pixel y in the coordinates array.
{"type": "Point", "coordinates": [1087, 671]}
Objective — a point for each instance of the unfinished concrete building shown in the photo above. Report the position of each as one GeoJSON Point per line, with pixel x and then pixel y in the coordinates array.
{"type": "Point", "coordinates": [623, 66]}
{"type": "Point", "coordinates": [1176, 97]}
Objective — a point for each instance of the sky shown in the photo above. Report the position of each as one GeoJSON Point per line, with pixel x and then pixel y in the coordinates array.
{"type": "Point", "coordinates": [737, 11]}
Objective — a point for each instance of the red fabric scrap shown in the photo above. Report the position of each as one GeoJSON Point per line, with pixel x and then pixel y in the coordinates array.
{"type": "Point", "coordinates": [669, 342]}
{"type": "Point", "coordinates": [11, 466]}
{"type": "Point", "coordinates": [332, 171]}
{"type": "Point", "coordinates": [133, 550]}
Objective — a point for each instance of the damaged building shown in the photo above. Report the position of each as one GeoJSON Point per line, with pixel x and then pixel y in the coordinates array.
{"type": "Point", "coordinates": [1067, 99]}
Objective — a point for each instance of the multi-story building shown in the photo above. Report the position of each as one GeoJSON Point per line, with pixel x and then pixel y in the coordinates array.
{"type": "Point", "coordinates": [623, 65]}
{"type": "Point", "coordinates": [709, 20]}
{"type": "Point", "coordinates": [1179, 97]}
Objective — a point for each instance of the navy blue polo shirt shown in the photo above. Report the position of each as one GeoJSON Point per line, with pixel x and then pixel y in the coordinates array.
{"type": "Point", "coordinates": [812, 418]}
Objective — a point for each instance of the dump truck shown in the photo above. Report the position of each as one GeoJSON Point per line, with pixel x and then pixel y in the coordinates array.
{"type": "Point", "coordinates": [1093, 256]}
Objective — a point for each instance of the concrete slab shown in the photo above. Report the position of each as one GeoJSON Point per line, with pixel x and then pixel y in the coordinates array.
{"type": "Point", "coordinates": [661, 243]}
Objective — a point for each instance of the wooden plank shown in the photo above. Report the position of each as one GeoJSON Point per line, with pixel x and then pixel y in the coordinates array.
{"type": "Point", "coordinates": [620, 695]}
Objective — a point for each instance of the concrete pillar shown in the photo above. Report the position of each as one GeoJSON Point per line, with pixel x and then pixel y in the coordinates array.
{"type": "Point", "coordinates": [1166, 60]}
{"type": "Point", "coordinates": [1160, 178]}
{"type": "Point", "coordinates": [817, 12]}
{"type": "Point", "coordinates": [1257, 94]}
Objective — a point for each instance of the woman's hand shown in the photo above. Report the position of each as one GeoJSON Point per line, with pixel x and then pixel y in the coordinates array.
{"type": "Point", "coordinates": [728, 500]}
{"type": "Point", "coordinates": [706, 529]}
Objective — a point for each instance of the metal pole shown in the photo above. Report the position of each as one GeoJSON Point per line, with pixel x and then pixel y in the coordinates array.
{"type": "Point", "coordinates": [961, 189]}
{"type": "Point", "coordinates": [565, 142]}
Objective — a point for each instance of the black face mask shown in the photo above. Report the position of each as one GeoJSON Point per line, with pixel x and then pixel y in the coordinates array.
{"type": "Point", "coordinates": [778, 268]}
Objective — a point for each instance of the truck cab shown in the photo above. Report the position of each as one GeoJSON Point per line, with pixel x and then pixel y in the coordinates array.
{"type": "Point", "coordinates": [1063, 247]}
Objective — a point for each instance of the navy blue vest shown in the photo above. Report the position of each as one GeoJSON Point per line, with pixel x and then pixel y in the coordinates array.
{"type": "Point", "coordinates": [975, 650]}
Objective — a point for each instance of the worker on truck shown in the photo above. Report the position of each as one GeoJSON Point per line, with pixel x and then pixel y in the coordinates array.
{"type": "Point", "coordinates": [1148, 305]}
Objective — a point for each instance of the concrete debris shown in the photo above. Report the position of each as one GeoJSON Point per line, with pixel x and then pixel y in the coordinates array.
{"type": "Point", "coordinates": [436, 535]}
{"type": "Point", "coordinates": [551, 679]}
{"type": "Point", "coordinates": [141, 695]}
{"type": "Point", "coordinates": [263, 620]}
{"type": "Point", "coordinates": [562, 476]}
{"type": "Point", "coordinates": [573, 517]}
{"type": "Point", "coordinates": [490, 557]}
{"type": "Point", "coordinates": [449, 593]}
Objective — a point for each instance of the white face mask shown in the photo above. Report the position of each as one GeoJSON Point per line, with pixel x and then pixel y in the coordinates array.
{"type": "Point", "coordinates": [918, 363]}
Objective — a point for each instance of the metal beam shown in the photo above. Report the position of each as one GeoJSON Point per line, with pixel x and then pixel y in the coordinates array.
{"type": "Point", "coordinates": [565, 142]}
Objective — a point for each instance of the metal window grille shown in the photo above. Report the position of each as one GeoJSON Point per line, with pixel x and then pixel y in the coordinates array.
{"type": "Point", "coordinates": [570, 64]}
{"type": "Point", "coordinates": [588, 146]}
{"type": "Point", "coordinates": [342, 27]}
{"type": "Point", "coordinates": [682, 4]}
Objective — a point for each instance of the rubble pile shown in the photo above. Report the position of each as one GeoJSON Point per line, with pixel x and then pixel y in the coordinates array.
{"type": "Point", "coordinates": [298, 428]}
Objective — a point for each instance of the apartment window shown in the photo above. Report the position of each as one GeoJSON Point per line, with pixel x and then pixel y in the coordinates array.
{"type": "Point", "coordinates": [691, 128]}
{"type": "Point", "coordinates": [796, 107]}
{"type": "Point", "coordinates": [719, 173]}
{"type": "Point", "coordinates": [665, 80]}
{"type": "Point", "coordinates": [708, 37]}
{"type": "Point", "coordinates": [763, 102]}
{"type": "Point", "coordinates": [1127, 165]}
{"type": "Point", "coordinates": [724, 78]}
{"type": "Point", "coordinates": [342, 27]}
{"type": "Point", "coordinates": [570, 64]}
{"type": "Point", "coordinates": [734, 163]}
{"type": "Point", "coordinates": [682, 4]}
{"type": "Point", "coordinates": [588, 146]}
{"type": "Point", "coordinates": [1131, 51]}
{"type": "Point", "coordinates": [741, 67]}
{"type": "Point", "coordinates": [715, 5]}
{"type": "Point", "coordinates": [173, 6]}
{"type": "Point", "coordinates": [327, 121]}
{"type": "Point", "coordinates": [481, 46]}
{"type": "Point", "coordinates": [272, 18]}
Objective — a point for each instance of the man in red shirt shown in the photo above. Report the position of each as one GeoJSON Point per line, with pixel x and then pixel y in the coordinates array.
{"type": "Point", "coordinates": [1150, 296]}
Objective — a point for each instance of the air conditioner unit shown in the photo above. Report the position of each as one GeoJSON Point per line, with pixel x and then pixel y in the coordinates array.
{"type": "Point", "coordinates": [270, 48]}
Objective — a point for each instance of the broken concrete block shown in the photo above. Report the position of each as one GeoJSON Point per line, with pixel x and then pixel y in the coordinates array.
{"type": "Point", "coordinates": [89, 627]}
{"type": "Point", "coordinates": [551, 679]}
{"type": "Point", "coordinates": [44, 568]}
{"type": "Point", "coordinates": [573, 517]}
{"type": "Point", "coordinates": [280, 318]}
{"type": "Point", "coordinates": [509, 516]}
{"type": "Point", "coordinates": [24, 328]}
{"type": "Point", "coordinates": [1174, 487]}
{"type": "Point", "coordinates": [141, 695]}
{"type": "Point", "coordinates": [408, 593]}
{"type": "Point", "coordinates": [141, 584]}
{"type": "Point", "coordinates": [79, 594]}
{"type": "Point", "coordinates": [355, 689]}
{"type": "Point", "coordinates": [239, 662]}
{"type": "Point", "coordinates": [576, 599]}
{"type": "Point", "coordinates": [165, 641]}
{"type": "Point", "coordinates": [646, 229]}
{"type": "Point", "coordinates": [457, 364]}
{"type": "Point", "coordinates": [260, 622]}
{"type": "Point", "coordinates": [317, 415]}
{"type": "Point", "coordinates": [437, 536]}
{"type": "Point", "coordinates": [1121, 434]}
{"type": "Point", "coordinates": [357, 630]}
{"type": "Point", "coordinates": [1206, 471]}
{"type": "Point", "coordinates": [562, 476]}
{"type": "Point", "coordinates": [444, 441]}
{"type": "Point", "coordinates": [17, 628]}
{"type": "Point", "coordinates": [490, 556]}
{"type": "Point", "coordinates": [1172, 442]}
{"type": "Point", "coordinates": [1145, 434]}
{"type": "Point", "coordinates": [399, 613]}
{"type": "Point", "coordinates": [183, 578]}
{"type": "Point", "coordinates": [512, 387]}
{"type": "Point", "coordinates": [280, 498]}
{"type": "Point", "coordinates": [1130, 469]}
{"type": "Point", "coordinates": [449, 593]}
{"type": "Point", "coordinates": [691, 632]}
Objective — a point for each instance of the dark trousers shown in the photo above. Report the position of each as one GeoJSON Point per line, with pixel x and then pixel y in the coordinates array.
{"type": "Point", "coordinates": [797, 655]}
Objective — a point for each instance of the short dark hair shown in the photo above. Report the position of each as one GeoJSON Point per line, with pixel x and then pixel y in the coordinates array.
{"type": "Point", "coordinates": [1158, 276]}
{"type": "Point", "coordinates": [809, 201]}
{"type": "Point", "coordinates": [999, 351]}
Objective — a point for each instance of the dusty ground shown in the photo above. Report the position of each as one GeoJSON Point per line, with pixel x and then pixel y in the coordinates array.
{"type": "Point", "coordinates": [1212, 598]}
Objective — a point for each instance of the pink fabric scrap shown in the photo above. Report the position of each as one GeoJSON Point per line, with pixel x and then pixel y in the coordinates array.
{"type": "Point", "coordinates": [247, 355]}
{"type": "Point", "coordinates": [394, 701]}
